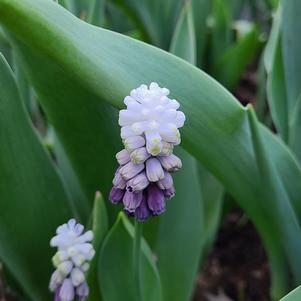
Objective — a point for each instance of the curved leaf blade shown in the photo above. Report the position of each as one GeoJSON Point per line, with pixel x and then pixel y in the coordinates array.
{"type": "Point", "coordinates": [33, 201]}
{"type": "Point", "coordinates": [229, 68]}
{"type": "Point", "coordinates": [217, 131]}
{"type": "Point", "coordinates": [291, 46]}
{"type": "Point", "coordinates": [117, 259]}
{"type": "Point", "coordinates": [294, 295]}
{"type": "Point", "coordinates": [177, 251]}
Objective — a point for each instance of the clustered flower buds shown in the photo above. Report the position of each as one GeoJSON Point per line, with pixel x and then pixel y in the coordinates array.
{"type": "Point", "coordinates": [149, 129]}
{"type": "Point", "coordinates": [71, 261]}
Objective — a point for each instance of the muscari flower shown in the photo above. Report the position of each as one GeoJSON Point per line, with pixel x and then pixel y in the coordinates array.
{"type": "Point", "coordinates": [149, 130]}
{"type": "Point", "coordinates": [71, 261]}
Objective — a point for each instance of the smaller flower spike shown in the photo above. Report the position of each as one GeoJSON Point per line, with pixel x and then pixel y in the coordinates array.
{"type": "Point", "coordinates": [71, 261]}
{"type": "Point", "coordinates": [149, 131]}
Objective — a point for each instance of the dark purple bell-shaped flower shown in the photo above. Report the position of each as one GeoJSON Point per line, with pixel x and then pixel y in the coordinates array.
{"type": "Point", "coordinates": [155, 199]}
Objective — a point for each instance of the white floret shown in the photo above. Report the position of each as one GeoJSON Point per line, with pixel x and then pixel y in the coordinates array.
{"type": "Point", "coordinates": [150, 112]}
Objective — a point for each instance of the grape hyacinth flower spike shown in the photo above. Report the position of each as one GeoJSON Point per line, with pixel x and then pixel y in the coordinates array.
{"type": "Point", "coordinates": [71, 262]}
{"type": "Point", "coordinates": [149, 131]}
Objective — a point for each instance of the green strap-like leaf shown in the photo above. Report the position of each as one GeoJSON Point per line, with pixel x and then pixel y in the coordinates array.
{"type": "Point", "coordinates": [183, 43]}
{"type": "Point", "coordinates": [221, 22]}
{"type": "Point", "coordinates": [116, 266]}
{"type": "Point", "coordinates": [276, 86]}
{"type": "Point", "coordinates": [212, 200]}
{"type": "Point", "coordinates": [295, 129]}
{"type": "Point", "coordinates": [294, 295]}
{"type": "Point", "coordinates": [291, 45]}
{"type": "Point", "coordinates": [88, 131]}
{"type": "Point", "coordinates": [100, 229]}
{"type": "Point", "coordinates": [32, 199]}
{"type": "Point", "coordinates": [178, 253]}
{"type": "Point", "coordinates": [201, 10]}
{"type": "Point", "coordinates": [96, 14]}
{"type": "Point", "coordinates": [229, 68]}
{"type": "Point", "coordinates": [109, 65]}
{"type": "Point", "coordinates": [274, 195]}
{"type": "Point", "coordinates": [155, 17]}
{"type": "Point", "coordinates": [180, 236]}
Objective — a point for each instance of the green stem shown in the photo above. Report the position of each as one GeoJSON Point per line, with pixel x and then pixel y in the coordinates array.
{"type": "Point", "coordinates": [137, 259]}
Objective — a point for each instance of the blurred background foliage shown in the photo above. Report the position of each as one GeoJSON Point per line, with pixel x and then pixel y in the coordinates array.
{"type": "Point", "coordinates": [59, 136]}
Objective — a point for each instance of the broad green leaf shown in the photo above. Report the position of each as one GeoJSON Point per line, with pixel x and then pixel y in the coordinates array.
{"type": "Point", "coordinates": [291, 46]}
{"type": "Point", "coordinates": [276, 87]}
{"type": "Point", "coordinates": [109, 65]}
{"type": "Point", "coordinates": [229, 68]}
{"type": "Point", "coordinates": [33, 202]}
{"type": "Point", "coordinates": [294, 295]}
{"type": "Point", "coordinates": [80, 202]}
{"type": "Point", "coordinates": [116, 266]}
{"type": "Point", "coordinates": [87, 129]}
{"type": "Point", "coordinates": [100, 229]}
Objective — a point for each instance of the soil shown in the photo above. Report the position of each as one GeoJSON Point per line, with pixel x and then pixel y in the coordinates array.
{"type": "Point", "coordinates": [237, 268]}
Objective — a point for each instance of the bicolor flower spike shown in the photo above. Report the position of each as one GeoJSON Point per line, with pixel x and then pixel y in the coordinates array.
{"type": "Point", "coordinates": [72, 261]}
{"type": "Point", "coordinates": [149, 131]}
{"type": "Point", "coordinates": [151, 119]}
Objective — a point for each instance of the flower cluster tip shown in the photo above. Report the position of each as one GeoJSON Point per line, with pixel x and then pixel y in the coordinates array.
{"type": "Point", "coordinates": [71, 261]}
{"type": "Point", "coordinates": [149, 131]}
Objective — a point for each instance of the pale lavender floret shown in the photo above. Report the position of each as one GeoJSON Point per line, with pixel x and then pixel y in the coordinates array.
{"type": "Point", "coordinates": [169, 193]}
{"type": "Point", "coordinates": [155, 199]}
{"type": "Point", "coordinates": [138, 183]}
{"type": "Point", "coordinates": [67, 290]}
{"type": "Point", "coordinates": [71, 260]}
{"type": "Point", "coordinates": [171, 163]}
{"type": "Point", "coordinates": [153, 140]}
{"type": "Point", "coordinates": [116, 195]}
{"type": "Point", "coordinates": [82, 291]}
{"type": "Point", "coordinates": [154, 170]}
{"type": "Point", "coordinates": [127, 131]}
{"type": "Point", "coordinates": [132, 200]}
{"type": "Point", "coordinates": [167, 149]}
{"type": "Point", "coordinates": [57, 294]}
{"type": "Point", "coordinates": [123, 157]}
{"type": "Point", "coordinates": [139, 155]}
{"type": "Point", "coordinates": [130, 170]}
{"type": "Point", "coordinates": [77, 277]}
{"type": "Point", "coordinates": [171, 135]}
{"type": "Point", "coordinates": [55, 281]}
{"type": "Point", "coordinates": [65, 267]}
{"type": "Point", "coordinates": [133, 143]}
{"type": "Point", "coordinates": [118, 180]}
{"type": "Point", "coordinates": [142, 213]}
{"type": "Point", "coordinates": [166, 182]}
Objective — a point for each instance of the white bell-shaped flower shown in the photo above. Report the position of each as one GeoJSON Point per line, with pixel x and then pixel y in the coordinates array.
{"type": "Point", "coordinates": [152, 114]}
